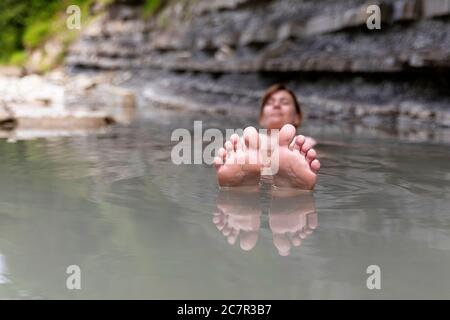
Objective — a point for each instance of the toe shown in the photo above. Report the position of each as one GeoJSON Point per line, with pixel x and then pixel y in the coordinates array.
{"type": "Point", "coordinates": [282, 243]}
{"type": "Point", "coordinates": [233, 236]}
{"type": "Point", "coordinates": [238, 149]}
{"type": "Point", "coordinates": [234, 139]}
{"type": "Point", "coordinates": [315, 165]}
{"type": "Point", "coordinates": [226, 231]}
{"type": "Point", "coordinates": [222, 153]}
{"type": "Point", "coordinates": [248, 240]}
{"type": "Point", "coordinates": [286, 134]}
{"type": "Point", "coordinates": [239, 145]}
{"type": "Point", "coordinates": [311, 155]}
{"type": "Point", "coordinates": [229, 146]}
{"type": "Point", "coordinates": [251, 138]}
{"type": "Point", "coordinates": [299, 141]}
{"type": "Point", "coordinates": [312, 220]}
{"type": "Point", "coordinates": [305, 148]}
{"type": "Point", "coordinates": [220, 224]}
{"type": "Point", "coordinates": [230, 156]}
{"type": "Point", "coordinates": [216, 218]}
{"type": "Point", "coordinates": [296, 240]}
{"type": "Point", "coordinates": [302, 235]}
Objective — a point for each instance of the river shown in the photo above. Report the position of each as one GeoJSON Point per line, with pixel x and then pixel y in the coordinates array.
{"type": "Point", "coordinates": [140, 227]}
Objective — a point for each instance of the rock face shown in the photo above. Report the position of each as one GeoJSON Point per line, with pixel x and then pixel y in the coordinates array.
{"type": "Point", "coordinates": [283, 35]}
{"type": "Point", "coordinates": [57, 102]}
{"type": "Point", "coordinates": [289, 38]}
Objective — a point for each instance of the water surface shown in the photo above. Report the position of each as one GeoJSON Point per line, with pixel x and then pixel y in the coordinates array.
{"type": "Point", "coordinates": [140, 227]}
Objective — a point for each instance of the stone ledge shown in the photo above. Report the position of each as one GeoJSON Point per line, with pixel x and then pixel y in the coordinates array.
{"type": "Point", "coordinates": [59, 102]}
{"type": "Point", "coordinates": [66, 122]}
{"type": "Point", "coordinates": [215, 5]}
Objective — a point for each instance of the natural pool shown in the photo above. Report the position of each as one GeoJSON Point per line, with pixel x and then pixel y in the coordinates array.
{"type": "Point", "coordinates": [140, 227]}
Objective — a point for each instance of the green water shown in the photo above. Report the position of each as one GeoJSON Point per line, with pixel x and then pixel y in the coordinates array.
{"type": "Point", "coordinates": [140, 227]}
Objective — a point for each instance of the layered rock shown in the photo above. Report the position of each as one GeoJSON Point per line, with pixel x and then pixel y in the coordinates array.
{"type": "Point", "coordinates": [275, 40]}
{"type": "Point", "coordinates": [284, 35]}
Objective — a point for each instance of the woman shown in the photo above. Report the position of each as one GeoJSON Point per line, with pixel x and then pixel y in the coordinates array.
{"type": "Point", "coordinates": [240, 163]}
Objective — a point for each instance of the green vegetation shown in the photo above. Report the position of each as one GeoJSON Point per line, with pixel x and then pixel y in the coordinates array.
{"type": "Point", "coordinates": [151, 7]}
{"type": "Point", "coordinates": [36, 34]}
{"type": "Point", "coordinates": [27, 24]}
{"type": "Point", "coordinates": [18, 58]}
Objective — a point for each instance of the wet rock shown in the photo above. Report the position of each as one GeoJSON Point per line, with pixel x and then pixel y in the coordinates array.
{"type": "Point", "coordinates": [81, 102]}
{"type": "Point", "coordinates": [435, 8]}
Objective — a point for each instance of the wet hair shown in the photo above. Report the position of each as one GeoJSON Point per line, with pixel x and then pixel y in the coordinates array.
{"type": "Point", "coordinates": [275, 88]}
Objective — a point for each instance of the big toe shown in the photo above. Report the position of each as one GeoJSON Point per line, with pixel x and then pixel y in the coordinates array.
{"type": "Point", "coordinates": [248, 240]}
{"type": "Point", "coordinates": [286, 134]}
{"type": "Point", "coordinates": [282, 243]}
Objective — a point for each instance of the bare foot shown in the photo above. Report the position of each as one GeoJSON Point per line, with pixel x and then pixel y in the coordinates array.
{"type": "Point", "coordinates": [238, 163]}
{"type": "Point", "coordinates": [298, 165]}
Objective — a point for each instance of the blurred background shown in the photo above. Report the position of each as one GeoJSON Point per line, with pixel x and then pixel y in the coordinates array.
{"type": "Point", "coordinates": [222, 54]}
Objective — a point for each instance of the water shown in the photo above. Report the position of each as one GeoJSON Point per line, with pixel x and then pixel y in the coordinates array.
{"type": "Point", "coordinates": [140, 227]}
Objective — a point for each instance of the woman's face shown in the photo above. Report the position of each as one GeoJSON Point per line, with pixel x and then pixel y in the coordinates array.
{"type": "Point", "coordinates": [278, 111]}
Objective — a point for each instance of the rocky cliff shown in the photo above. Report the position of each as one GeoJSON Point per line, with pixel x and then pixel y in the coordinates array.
{"type": "Point", "coordinates": [322, 48]}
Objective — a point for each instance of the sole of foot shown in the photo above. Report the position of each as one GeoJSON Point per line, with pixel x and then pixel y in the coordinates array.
{"type": "Point", "coordinates": [237, 163]}
{"type": "Point", "coordinates": [297, 166]}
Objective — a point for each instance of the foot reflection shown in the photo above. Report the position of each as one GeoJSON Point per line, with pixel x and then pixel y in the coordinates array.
{"type": "Point", "coordinates": [238, 215]}
{"type": "Point", "coordinates": [292, 217]}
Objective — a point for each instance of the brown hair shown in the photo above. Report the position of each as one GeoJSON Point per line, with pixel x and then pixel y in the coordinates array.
{"type": "Point", "coordinates": [275, 88]}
